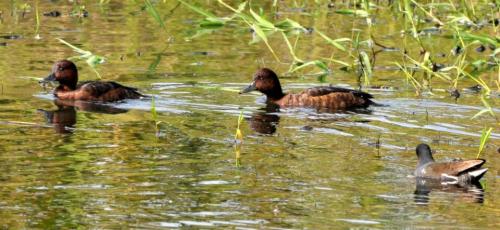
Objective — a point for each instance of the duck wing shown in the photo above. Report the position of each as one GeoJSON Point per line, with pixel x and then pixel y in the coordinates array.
{"type": "Point", "coordinates": [325, 90]}
{"type": "Point", "coordinates": [108, 91]}
{"type": "Point", "coordinates": [331, 98]}
{"type": "Point", "coordinates": [455, 168]}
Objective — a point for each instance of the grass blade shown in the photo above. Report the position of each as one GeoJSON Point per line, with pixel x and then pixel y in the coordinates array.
{"type": "Point", "coordinates": [152, 11]}
{"type": "Point", "coordinates": [485, 136]}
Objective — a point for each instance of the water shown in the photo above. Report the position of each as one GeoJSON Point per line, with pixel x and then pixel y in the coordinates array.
{"type": "Point", "coordinates": [69, 165]}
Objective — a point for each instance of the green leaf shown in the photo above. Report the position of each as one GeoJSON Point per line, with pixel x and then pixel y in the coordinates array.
{"type": "Point", "coordinates": [76, 49]}
{"type": "Point", "coordinates": [290, 47]}
{"type": "Point", "coordinates": [263, 36]}
{"type": "Point", "coordinates": [482, 38]}
{"type": "Point", "coordinates": [151, 10]}
{"type": "Point", "coordinates": [198, 10]}
{"type": "Point", "coordinates": [484, 138]}
{"type": "Point", "coordinates": [289, 24]}
{"type": "Point", "coordinates": [316, 63]}
{"type": "Point", "coordinates": [262, 22]}
{"type": "Point", "coordinates": [334, 42]}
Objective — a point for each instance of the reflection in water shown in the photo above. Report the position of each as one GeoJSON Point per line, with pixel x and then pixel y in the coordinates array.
{"type": "Point", "coordinates": [61, 118]}
{"type": "Point", "coordinates": [470, 192]}
{"type": "Point", "coordinates": [64, 118]}
{"type": "Point", "coordinates": [263, 121]}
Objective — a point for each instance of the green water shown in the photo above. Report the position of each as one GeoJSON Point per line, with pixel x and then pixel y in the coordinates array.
{"type": "Point", "coordinates": [111, 168]}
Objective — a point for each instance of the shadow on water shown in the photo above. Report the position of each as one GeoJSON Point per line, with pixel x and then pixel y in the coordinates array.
{"type": "Point", "coordinates": [469, 192]}
{"type": "Point", "coordinates": [63, 118]}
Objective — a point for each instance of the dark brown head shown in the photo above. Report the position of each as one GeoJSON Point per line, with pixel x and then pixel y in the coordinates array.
{"type": "Point", "coordinates": [65, 73]}
{"type": "Point", "coordinates": [267, 82]}
{"type": "Point", "coordinates": [424, 154]}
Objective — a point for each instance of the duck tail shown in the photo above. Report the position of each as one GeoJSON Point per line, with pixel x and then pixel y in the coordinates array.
{"type": "Point", "coordinates": [476, 175]}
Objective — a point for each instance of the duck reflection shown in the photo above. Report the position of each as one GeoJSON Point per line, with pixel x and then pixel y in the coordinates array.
{"type": "Point", "coordinates": [63, 118]}
{"type": "Point", "coordinates": [467, 192]}
{"type": "Point", "coordinates": [264, 121]}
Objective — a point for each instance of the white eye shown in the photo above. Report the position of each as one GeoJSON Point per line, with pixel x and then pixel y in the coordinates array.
{"type": "Point", "coordinates": [60, 69]}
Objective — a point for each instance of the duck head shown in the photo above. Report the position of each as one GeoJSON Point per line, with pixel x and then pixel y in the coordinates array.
{"type": "Point", "coordinates": [65, 73]}
{"type": "Point", "coordinates": [266, 82]}
{"type": "Point", "coordinates": [424, 154]}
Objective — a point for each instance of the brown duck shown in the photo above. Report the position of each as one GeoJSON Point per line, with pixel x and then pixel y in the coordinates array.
{"type": "Point", "coordinates": [66, 74]}
{"type": "Point", "coordinates": [321, 97]}
{"type": "Point", "coordinates": [466, 171]}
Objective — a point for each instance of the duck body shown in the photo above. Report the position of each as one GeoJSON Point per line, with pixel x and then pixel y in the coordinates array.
{"type": "Point", "coordinates": [105, 91]}
{"type": "Point", "coordinates": [66, 73]}
{"type": "Point", "coordinates": [327, 97]}
{"type": "Point", "coordinates": [321, 97]}
{"type": "Point", "coordinates": [461, 172]}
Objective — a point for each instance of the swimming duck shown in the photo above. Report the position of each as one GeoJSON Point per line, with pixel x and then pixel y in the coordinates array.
{"type": "Point", "coordinates": [466, 171]}
{"type": "Point", "coordinates": [66, 74]}
{"type": "Point", "coordinates": [321, 97]}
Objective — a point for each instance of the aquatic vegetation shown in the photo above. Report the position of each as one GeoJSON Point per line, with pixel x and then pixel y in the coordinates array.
{"type": "Point", "coordinates": [37, 18]}
{"type": "Point", "coordinates": [154, 116]}
{"type": "Point", "coordinates": [79, 10]}
{"type": "Point", "coordinates": [91, 59]}
{"type": "Point", "coordinates": [154, 13]}
{"type": "Point", "coordinates": [485, 136]}
{"type": "Point", "coordinates": [180, 159]}
{"type": "Point", "coordinates": [238, 136]}
{"type": "Point", "coordinates": [238, 140]}
{"type": "Point", "coordinates": [263, 29]}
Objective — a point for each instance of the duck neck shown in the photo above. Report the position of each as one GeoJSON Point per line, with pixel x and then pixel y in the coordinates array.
{"type": "Point", "coordinates": [426, 158]}
{"type": "Point", "coordinates": [275, 94]}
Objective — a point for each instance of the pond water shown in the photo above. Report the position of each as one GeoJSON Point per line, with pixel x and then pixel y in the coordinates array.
{"type": "Point", "coordinates": [108, 166]}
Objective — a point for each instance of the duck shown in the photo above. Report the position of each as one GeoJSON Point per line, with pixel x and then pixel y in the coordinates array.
{"type": "Point", "coordinates": [321, 97]}
{"type": "Point", "coordinates": [66, 73]}
{"type": "Point", "coordinates": [455, 172]}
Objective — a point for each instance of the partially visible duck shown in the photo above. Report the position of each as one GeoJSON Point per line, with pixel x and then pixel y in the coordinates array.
{"type": "Point", "coordinates": [321, 97]}
{"type": "Point", "coordinates": [460, 172]}
{"type": "Point", "coordinates": [66, 74]}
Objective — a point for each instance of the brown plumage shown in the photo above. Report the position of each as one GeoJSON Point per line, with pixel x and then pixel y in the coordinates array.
{"type": "Point", "coordinates": [322, 97]}
{"type": "Point", "coordinates": [66, 73]}
{"type": "Point", "coordinates": [459, 171]}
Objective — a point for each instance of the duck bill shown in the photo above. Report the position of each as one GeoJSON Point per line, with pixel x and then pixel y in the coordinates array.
{"type": "Point", "coordinates": [249, 88]}
{"type": "Point", "coordinates": [49, 78]}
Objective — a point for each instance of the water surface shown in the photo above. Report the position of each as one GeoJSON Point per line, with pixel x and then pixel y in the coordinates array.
{"type": "Point", "coordinates": [106, 166]}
